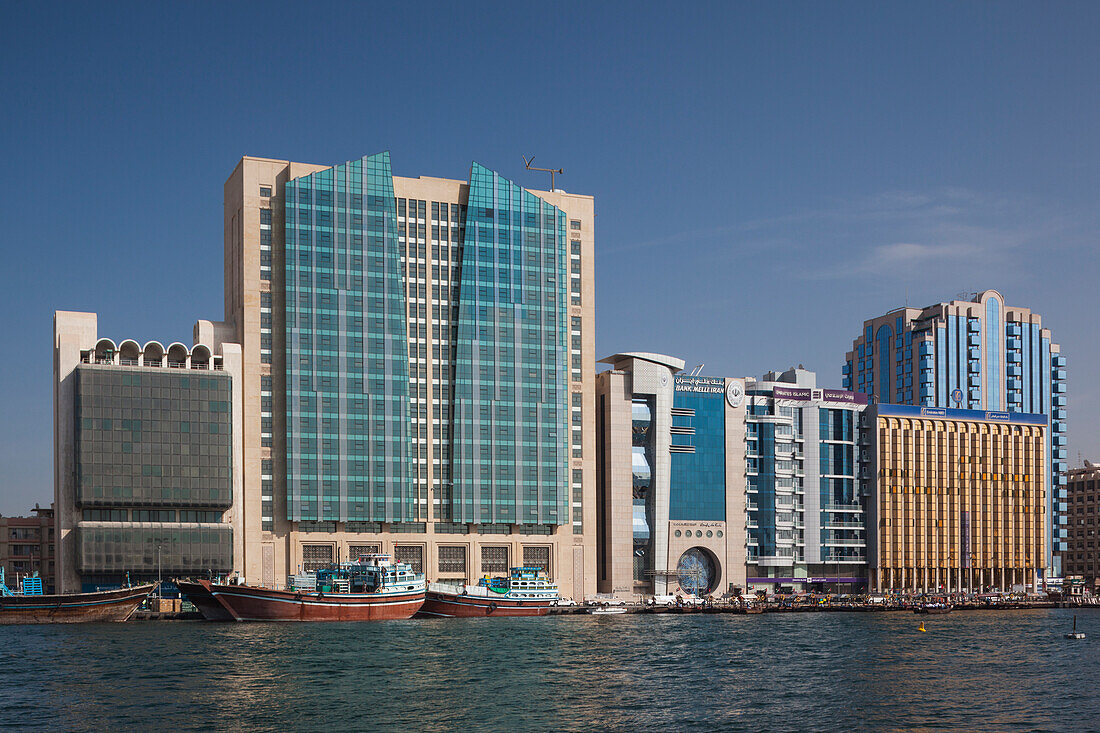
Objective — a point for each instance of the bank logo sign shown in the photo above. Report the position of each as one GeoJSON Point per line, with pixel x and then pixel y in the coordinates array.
{"type": "Point", "coordinates": [735, 394]}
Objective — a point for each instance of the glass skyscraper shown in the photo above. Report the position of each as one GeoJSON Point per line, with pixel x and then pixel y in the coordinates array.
{"type": "Point", "coordinates": [978, 355]}
{"type": "Point", "coordinates": [418, 369]}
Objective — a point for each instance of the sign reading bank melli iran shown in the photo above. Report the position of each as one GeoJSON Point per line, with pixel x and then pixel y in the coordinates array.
{"type": "Point", "coordinates": [704, 385]}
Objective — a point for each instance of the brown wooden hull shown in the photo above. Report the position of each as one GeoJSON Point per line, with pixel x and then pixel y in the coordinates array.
{"type": "Point", "coordinates": [71, 608]}
{"type": "Point", "coordinates": [203, 600]}
{"type": "Point", "coordinates": [247, 603]}
{"type": "Point", "coordinates": [456, 605]}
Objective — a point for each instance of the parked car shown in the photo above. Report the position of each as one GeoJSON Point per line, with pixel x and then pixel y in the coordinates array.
{"type": "Point", "coordinates": [564, 602]}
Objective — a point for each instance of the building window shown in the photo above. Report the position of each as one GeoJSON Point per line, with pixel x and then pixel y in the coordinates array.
{"type": "Point", "coordinates": [494, 560]}
{"type": "Point", "coordinates": [452, 560]}
{"type": "Point", "coordinates": [316, 557]}
{"type": "Point", "coordinates": [575, 225]}
{"type": "Point", "coordinates": [265, 191]}
{"type": "Point", "coordinates": [537, 556]}
{"type": "Point", "coordinates": [357, 551]}
{"type": "Point", "coordinates": [200, 517]}
{"type": "Point", "coordinates": [153, 515]}
{"type": "Point", "coordinates": [411, 554]}
{"type": "Point", "coordinates": [100, 515]}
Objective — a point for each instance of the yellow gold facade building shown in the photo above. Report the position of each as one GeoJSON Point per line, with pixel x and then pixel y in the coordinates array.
{"type": "Point", "coordinates": [959, 500]}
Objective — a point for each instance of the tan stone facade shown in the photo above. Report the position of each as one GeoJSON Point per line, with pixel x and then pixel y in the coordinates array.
{"type": "Point", "coordinates": [958, 503]}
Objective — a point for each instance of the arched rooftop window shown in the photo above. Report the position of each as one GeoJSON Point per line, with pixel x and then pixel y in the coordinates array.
{"type": "Point", "coordinates": [177, 356]}
{"type": "Point", "coordinates": [105, 351]}
{"type": "Point", "coordinates": [200, 357]}
{"type": "Point", "coordinates": [128, 353]}
{"type": "Point", "coordinates": [153, 354]}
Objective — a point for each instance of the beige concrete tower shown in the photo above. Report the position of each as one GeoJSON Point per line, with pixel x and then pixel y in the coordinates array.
{"type": "Point", "coordinates": [430, 216]}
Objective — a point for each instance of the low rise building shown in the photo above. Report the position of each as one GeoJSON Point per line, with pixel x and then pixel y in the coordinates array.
{"type": "Point", "coordinates": [1081, 558]}
{"type": "Point", "coordinates": [27, 548]}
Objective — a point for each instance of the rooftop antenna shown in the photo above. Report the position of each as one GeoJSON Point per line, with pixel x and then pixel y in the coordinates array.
{"type": "Point", "coordinates": [696, 370]}
{"type": "Point", "coordinates": [551, 171]}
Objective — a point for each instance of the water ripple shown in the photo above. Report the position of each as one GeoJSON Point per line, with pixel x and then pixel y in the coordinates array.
{"type": "Point", "coordinates": [798, 672]}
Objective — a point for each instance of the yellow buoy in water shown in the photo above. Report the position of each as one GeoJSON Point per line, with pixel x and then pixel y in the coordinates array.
{"type": "Point", "coordinates": [922, 627]}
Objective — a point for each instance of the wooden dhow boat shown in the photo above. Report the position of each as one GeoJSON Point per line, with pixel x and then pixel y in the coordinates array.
{"type": "Point", "coordinates": [29, 605]}
{"type": "Point", "coordinates": [527, 591]}
{"type": "Point", "coordinates": [373, 588]}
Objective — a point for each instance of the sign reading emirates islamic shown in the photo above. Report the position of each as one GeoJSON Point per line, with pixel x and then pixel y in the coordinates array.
{"type": "Point", "coordinates": [804, 394]}
{"type": "Point", "coordinates": [792, 393]}
{"type": "Point", "coordinates": [703, 385]}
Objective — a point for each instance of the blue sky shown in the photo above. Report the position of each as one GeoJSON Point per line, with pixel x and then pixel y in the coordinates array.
{"type": "Point", "coordinates": [767, 175]}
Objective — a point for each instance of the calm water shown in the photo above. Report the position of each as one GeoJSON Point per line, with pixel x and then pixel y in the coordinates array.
{"type": "Point", "coordinates": [970, 671]}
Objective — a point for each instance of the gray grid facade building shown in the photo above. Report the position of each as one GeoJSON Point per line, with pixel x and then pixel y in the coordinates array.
{"type": "Point", "coordinates": [146, 457]}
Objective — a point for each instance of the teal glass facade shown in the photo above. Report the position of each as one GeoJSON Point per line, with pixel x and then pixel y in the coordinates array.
{"type": "Point", "coordinates": [760, 456]}
{"type": "Point", "coordinates": [347, 368]}
{"type": "Point", "coordinates": [843, 532]}
{"type": "Point", "coordinates": [697, 488]}
{"type": "Point", "coordinates": [511, 403]}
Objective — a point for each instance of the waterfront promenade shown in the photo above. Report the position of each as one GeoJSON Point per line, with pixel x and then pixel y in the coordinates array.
{"type": "Point", "coordinates": [787, 606]}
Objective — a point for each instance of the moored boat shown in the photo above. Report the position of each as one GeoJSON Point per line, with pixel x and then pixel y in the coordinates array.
{"type": "Point", "coordinates": [934, 608]}
{"type": "Point", "coordinates": [525, 592]}
{"type": "Point", "coordinates": [373, 588]}
{"type": "Point", "coordinates": [201, 597]}
{"type": "Point", "coordinates": [31, 606]}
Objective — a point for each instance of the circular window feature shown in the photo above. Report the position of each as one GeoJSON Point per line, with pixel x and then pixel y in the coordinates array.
{"type": "Point", "coordinates": [698, 533]}
{"type": "Point", "coordinates": [709, 533]}
{"type": "Point", "coordinates": [719, 533]}
{"type": "Point", "coordinates": [677, 533]}
{"type": "Point", "coordinates": [697, 572]}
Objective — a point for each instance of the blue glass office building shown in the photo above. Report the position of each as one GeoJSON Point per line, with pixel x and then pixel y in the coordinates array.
{"type": "Point", "coordinates": [347, 367]}
{"type": "Point", "coordinates": [511, 410]}
{"type": "Point", "coordinates": [979, 355]}
{"type": "Point", "coordinates": [348, 396]}
{"type": "Point", "coordinates": [805, 491]}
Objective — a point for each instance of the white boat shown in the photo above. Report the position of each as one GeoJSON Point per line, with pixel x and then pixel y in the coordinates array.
{"type": "Point", "coordinates": [607, 610]}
